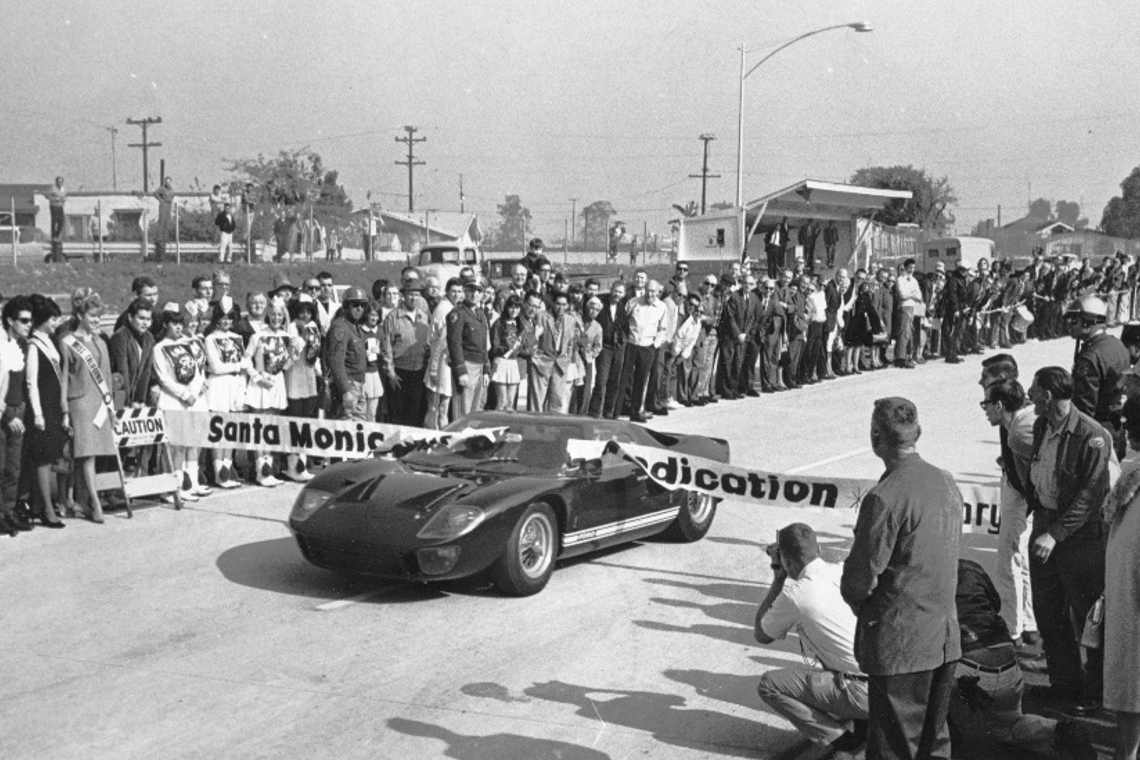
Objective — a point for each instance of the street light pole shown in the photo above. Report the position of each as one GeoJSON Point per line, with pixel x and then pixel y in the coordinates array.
{"type": "Point", "coordinates": [858, 26]}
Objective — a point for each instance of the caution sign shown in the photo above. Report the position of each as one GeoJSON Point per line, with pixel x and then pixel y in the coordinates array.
{"type": "Point", "coordinates": [139, 427]}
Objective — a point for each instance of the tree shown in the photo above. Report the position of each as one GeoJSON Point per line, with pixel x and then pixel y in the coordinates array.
{"type": "Point", "coordinates": [297, 179]}
{"type": "Point", "coordinates": [596, 218]}
{"type": "Point", "coordinates": [929, 208]}
{"type": "Point", "coordinates": [690, 209]}
{"type": "Point", "coordinates": [514, 221]}
{"type": "Point", "coordinates": [1069, 212]}
{"type": "Point", "coordinates": [1040, 209]}
{"type": "Point", "coordinates": [1121, 216]}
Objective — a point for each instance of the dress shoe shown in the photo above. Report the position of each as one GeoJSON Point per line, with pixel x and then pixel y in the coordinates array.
{"type": "Point", "coordinates": [909, 364]}
{"type": "Point", "coordinates": [712, 399]}
{"type": "Point", "coordinates": [638, 418]}
{"type": "Point", "coordinates": [954, 360]}
{"type": "Point", "coordinates": [1031, 638]}
{"type": "Point", "coordinates": [19, 523]}
{"type": "Point", "coordinates": [6, 526]}
{"type": "Point", "coordinates": [699, 402]}
{"type": "Point", "coordinates": [751, 392]}
{"type": "Point", "coordinates": [49, 524]}
{"type": "Point", "coordinates": [91, 517]}
{"type": "Point", "coordinates": [779, 389]}
{"type": "Point", "coordinates": [661, 411]}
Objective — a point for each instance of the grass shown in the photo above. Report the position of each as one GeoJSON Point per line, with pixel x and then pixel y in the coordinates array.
{"type": "Point", "coordinates": [112, 280]}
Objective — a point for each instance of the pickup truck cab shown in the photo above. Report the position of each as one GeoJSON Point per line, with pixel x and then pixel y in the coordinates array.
{"type": "Point", "coordinates": [444, 260]}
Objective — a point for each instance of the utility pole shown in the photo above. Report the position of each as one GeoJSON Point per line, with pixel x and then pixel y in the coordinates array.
{"type": "Point", "coordinates": [461, 197]}
{"type": "Point", "coordinates": [114, 162]}
{"type": "Point", "coordinates": [411, 162]}
{"type": "Point", "coordinates": [573, 217]}
{"type": "Point", "coordinates": [704, 175]}
{"type": "Point", "coordinates": [145, 145]}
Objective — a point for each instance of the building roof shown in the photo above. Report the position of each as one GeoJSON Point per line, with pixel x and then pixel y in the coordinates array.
{"type": "Point", "coordinates": [448, 224]}
{"type": "Point", "coordinates": [22, 194]}
{"type": "Point", "coordinates": [811, 198]}
{"type": "Point", "coordinates": [1035, 224]}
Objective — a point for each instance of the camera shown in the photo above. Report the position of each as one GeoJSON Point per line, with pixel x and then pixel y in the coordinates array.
{"type": "Point", "coordinates": [773, 552]}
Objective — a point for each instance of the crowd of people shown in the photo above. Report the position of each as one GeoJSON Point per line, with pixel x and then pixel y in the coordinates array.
{"type": "Point", "coordinates": [907, 634]}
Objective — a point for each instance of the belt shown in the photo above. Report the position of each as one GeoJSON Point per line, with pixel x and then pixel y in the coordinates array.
{"type": "Point", "coordinates": [987, 669]}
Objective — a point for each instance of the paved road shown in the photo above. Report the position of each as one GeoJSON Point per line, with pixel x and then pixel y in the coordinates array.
{"type": "Point", "coordinates": [203, 633]}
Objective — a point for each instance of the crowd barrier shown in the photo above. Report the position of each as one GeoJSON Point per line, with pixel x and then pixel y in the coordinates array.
{"type": "Point", "coordinates": [356, 440]}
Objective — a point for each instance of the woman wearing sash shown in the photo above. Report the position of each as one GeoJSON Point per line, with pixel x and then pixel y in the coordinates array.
{"type": "Point", "coordinates": [270, 354]}
{"type": "Point", "coordinates": [301, 391]}
{"type": "Point", "coordinates": [181, 385]}
{"type": "Point", "coordinates": [227, 365]}
{"type": "Point", "coordinates": [87, 388]}
{"type": "Point", "coordinates": [47, 423]}
{"type": "Point", "coordinates": [194, 312]}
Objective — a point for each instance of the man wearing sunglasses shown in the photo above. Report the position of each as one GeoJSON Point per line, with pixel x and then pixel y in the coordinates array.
{"type": "Point", "coordinates": [347, 357]}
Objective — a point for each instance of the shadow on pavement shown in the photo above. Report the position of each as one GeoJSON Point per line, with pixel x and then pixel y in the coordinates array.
{"type": "Point", "coordinates": [734, 592]}
{"type": "Point", "coordinates": [277, 565]}
{"type": "Point", "coordinates": [724, 687]}
{"type": "Point", "coordinates": [494, 746]}
{"type": "Point", "coordinates": [667, 718]}
{"type": "Point", "coordinates": [732, 634]}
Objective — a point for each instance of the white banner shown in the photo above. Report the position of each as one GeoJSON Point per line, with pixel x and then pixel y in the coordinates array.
{"type": "Point", "coordinates": [345, 439]}
{"type": "Point", "coordinates": [725, 481]}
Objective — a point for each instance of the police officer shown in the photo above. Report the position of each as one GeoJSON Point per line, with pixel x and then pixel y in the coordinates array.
{"type": "Point", "coordinates": [467, 344]}
{"type": "Point", "coordinates": [1099, 367]}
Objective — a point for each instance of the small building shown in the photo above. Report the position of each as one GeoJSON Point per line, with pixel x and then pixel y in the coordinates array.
{"type": "Point", "coordinates": [19, 197]}
{"type": "Point", "coordinates": [119, 216]}
{"type": "Point", "coordinates": [736, 232]}
{"type": "Point", "coordinates": [416, 230]}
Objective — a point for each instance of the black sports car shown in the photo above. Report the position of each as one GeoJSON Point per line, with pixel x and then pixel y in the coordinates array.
{"type": "Point", "coordinates": [512, 503]}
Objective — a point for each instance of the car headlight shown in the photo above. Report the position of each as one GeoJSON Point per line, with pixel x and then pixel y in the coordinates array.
{"type": "Point", "coordinates": [308, 502]}
{"type": "Point", "coordinates": [452, 521]}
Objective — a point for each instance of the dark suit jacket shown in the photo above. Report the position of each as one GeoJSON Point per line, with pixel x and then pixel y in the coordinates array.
{"type": "Point", "coordinates": [613, 328]}
{"type": "Point", "coordinates": [770, 319]}
{"type": "Point", "coordinates": [135, 365]}
{"type": "Point", "coordinates": [835, 300]}
{"type": "Point", "coordinates": [732, 315]}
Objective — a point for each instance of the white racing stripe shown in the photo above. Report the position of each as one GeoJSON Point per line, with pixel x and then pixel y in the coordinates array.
{"type": "Point", "coordinates": [621, 526]}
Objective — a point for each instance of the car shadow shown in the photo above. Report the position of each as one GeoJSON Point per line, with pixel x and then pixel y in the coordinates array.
{"type": "Point", "coordinates": [494, 746]}
{"type": "Point", "coordinates": [668, 719]}
{"type": "Point", "coordinates": [276, 565]}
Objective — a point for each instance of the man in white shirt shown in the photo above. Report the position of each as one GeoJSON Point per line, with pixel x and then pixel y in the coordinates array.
{"type": "Point", "coordinates": [828, 704]}
{"type": "Point", "coordinates": [908, 295]}
{"type": "Point", "coordinates": [646, 328]}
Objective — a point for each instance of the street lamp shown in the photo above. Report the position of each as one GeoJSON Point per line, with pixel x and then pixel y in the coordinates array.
{"type": "Point", "coordinates": [858, 26]}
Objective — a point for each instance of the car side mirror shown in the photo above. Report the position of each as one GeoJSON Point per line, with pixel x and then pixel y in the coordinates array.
{"type": "Point", "coordinates": [592, 468]}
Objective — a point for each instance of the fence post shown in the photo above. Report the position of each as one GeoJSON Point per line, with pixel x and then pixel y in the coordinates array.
{"type": "Point", "coordinates": [177, 237]}
{"type": "Point", "coordinates": [145, 236]}
{"type": "Point", "coordinates": [15, 230]}
{"type": "Point", "coordinates": [99, 229]}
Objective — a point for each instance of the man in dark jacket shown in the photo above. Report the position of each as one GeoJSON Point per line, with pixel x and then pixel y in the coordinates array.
{"type": "Point", "coordinates": [989, 677]}
{"type": "Point", "coordinates": [732, 333]}
{"type": "Point", "coordinates": [607, 367]}
{"type": "Point", "coordinates": [899, 579]}
{"type": "Point", "coordinates": [1068, 481]}
{"type": "Point", "coordinates": [347, 357]}
{"type": "Point", "coordinates": [226, 225]}
{"type": "Point", "coordinates": [956, 309]}
{"type": "Point", "coordinates": [1098, 370]}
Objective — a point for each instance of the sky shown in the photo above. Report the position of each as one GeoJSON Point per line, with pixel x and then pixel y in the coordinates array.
{"type": "Point", "coordinates": [583, 100]}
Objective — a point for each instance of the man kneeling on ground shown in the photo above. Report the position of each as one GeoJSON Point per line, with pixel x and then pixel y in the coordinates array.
{"type": "Point", "coordinates": [989, 677]}
{"type": "Point", "coordinates": [828, 706]}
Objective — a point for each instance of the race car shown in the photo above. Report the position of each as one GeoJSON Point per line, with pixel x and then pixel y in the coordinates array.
{"type": "Point", "coordinates": [505, 497]}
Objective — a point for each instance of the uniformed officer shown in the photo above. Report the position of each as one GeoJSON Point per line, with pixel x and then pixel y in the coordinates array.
{"type": "Point", "coordinates": [467, 348]}
{"type": "Point", "coordinates": [347, 358]}
{"type": "Point", "coordinates": [1099, 367]}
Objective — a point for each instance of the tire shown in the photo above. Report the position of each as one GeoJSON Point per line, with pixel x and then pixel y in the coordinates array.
{"type": "Point", "coordinates": [694, 519]}
{"type": "Point", "coordinates": [527, 562]}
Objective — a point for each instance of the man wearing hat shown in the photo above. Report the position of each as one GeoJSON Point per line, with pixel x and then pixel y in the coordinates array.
{"type": "Point", "coordinates": [955, 309]}
{"type": "Point", "coordinates": [467, 343]}
{"type": "Point", "coordinates": [347, 357]}
{"type": "Point", "coordinates": [1098, 370]}
{"type": "Point", "coordinates": [404, 351]}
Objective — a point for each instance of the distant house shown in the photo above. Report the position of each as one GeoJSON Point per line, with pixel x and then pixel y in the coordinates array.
{"type": "Point", "coordinates": [1035, 225]}
{"type": "Point", "coordinates": [119, 215]}
{"type": "Point", "coordinates": [21, 197]}
{"type": "Point", "coordinates": [416, 230]}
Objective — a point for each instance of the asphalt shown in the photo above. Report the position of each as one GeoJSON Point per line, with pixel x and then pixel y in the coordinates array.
{"type": "Point", "coordinates": [203, 633]}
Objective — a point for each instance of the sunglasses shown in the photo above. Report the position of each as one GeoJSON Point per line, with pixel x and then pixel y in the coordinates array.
{"type": "Point", "coordinates": [355, 305]}
{"type": "Point", "coordinates": [986, 404]}
{"type": "Point", "coordinates": [25, 320]}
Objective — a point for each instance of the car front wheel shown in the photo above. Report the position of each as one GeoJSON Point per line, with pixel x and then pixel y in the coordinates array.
{"type": "Point", "coordinates": [694, 519]}
{"type": "Point", "coordinates": [527, 562]}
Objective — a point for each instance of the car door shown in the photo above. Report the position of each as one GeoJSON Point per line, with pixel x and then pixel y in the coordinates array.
{"type": "Point", "coordinates": [612, 505]}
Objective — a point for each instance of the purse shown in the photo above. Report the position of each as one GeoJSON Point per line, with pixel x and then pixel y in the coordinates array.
{"type": "Point", "coordinates": [1092, 637]}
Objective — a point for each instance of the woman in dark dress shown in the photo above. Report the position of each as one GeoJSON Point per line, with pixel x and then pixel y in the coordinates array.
{"type": "Point", "coordinates": [859, 333]}
{"type": "Point", "coordinates": [46, 421]}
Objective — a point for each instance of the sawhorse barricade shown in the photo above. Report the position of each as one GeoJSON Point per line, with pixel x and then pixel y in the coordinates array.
{"type": "Point", "coordinates": [140, 429]}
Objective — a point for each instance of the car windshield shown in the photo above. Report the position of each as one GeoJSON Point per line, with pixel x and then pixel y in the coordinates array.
{"type": "Point", "coordinates": [533, 445]}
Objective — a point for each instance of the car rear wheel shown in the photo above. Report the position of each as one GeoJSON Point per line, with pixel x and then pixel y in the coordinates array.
{"type": "Point", "coordinates": [695, 518]}
{"type": "Point", "coordinates": [527, 563]}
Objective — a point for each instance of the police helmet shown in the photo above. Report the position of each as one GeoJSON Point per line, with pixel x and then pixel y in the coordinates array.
{"type": "Point", "coordinates": [1089, 309]}
{"type": "Point", "coordinates": [354, 294]}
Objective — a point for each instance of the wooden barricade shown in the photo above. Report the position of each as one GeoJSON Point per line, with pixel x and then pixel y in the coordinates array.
{"type": "Point", "coordinates": [139, 428]}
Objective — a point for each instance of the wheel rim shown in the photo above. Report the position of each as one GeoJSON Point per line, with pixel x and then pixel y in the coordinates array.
{"type": "Point", "coordinates": [700, 506]}
{"type": "Point", "coordinates": [536, 545]}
